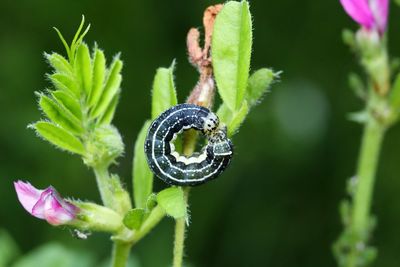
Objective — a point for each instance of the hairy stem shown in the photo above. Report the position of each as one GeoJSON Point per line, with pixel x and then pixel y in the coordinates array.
{"type": "Point", "coordinates": [103, 183]}
{"type": "Point", "coordinates": [366, 172]}
{"type": "Point", "coordinates": [120, 254]}
{"type": "Point", "coordinates": [180, 228]}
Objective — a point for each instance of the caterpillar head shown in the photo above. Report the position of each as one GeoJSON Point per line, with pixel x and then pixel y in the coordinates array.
{"type": "Point", "coordinates": [210, 124]}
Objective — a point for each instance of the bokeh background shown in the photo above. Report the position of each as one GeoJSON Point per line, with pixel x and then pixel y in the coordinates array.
{"type": "Point", "coordinates": [277, 205]}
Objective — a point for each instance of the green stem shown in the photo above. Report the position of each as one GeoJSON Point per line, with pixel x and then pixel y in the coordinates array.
{"type": "Point", "coordinates": [154, 218]}
{"type": "Point", "coordinates": [103, 183]}
{"type": "Point", "coordinates": [120, 254]}
{"type": "Point", "coordinates": [366, 171]}
{"type": "Point", "coordinates": [189, 145]}
{"type": "Point", "coordinates": [179, 243]}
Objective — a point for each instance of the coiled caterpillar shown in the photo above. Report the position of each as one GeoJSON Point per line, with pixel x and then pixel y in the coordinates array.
{"type": "Point", "coordinates": [175, 169]}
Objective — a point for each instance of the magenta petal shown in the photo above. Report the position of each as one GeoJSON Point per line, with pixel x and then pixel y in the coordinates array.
{"type": "Point", "coordinates": [39, 208]}
{"type": "Point", "coordinates": [380, 11]}
{"type": "Point", "coordinates": [56, 213]}
{"type": "Point", "coordinates": [28, 195]}
{"type": "Point", "coordinates": [359, 11]}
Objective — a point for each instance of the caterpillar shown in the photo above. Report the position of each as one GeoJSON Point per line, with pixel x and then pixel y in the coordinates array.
{"type": "Point", "coordinates": [175, 169]}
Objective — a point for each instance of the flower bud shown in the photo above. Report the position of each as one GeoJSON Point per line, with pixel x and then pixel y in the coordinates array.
{"type": "Point", "coordinates": [45, 204]}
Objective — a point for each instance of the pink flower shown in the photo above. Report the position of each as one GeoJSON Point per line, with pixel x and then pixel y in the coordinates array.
{"type": "Point", "coordinates": [370, 14]}
{"type": "Point", "coordinates": [45, 204]}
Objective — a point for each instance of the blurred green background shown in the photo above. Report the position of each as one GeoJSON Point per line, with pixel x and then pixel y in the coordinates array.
{"type": "Point", "coordinates": [277, 205]}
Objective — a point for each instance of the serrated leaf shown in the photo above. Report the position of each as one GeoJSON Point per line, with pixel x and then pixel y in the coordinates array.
{"type": "Point", "coordinates": [258, 84]}
{"type": "Point", "coordinates": [142, 176]}
{"type": "Point", "coordinates": [110, 111]}
{"type": "Point", "coordinates": [59, 137]}
{"type": "Point", "coordinates": [68, 102]}
{"type": "Point", "coordinates": [238, 118]}
{"type": "Point", "coordinates": [231, 51]}
{"type": "Point", "coordinates": [59, 115]}
{"type": "Point", "coordinates": [172, 201]}
{"type": "Point", "coordinates": [111, 88]}
{"type": "Point", "coordinates": [83, 68]}
{"type": "Point", "coordinates": [134, 219]}
{"type": "Point", "coordinates": [64, 82]}
{"type": "Point", "coordinates": [99, 69]}
{"type": "Point", "coordinates": [164, 93]}
{"type": "Point", "coordinates": [59, 63]}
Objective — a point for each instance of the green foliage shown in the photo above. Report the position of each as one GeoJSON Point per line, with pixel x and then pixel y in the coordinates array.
{"type": "Point", "coordinates": [357, 85]}
{"type": "Point", "coordinates": [59, 137]}
{"type": "Point", "coordinates": [8, 249]}
{"type": "Point", "coordinates": [110, 89]}
{"type": "Point", "coordinates": [134, 218]}
{"type": "Point", "coordinates": [164, 94]}
{"type": "Point", "coordinates": [81, 107]}
{"type": "Point", "coordinates": [54, 254]}
{"type": "Point", "coordinates": [258, 85]}
{"type": "Point", "coordinates": [237, 118]}
{"type": "Point", "coordinates": [231, 51]}
{"type": "Point", "coordinates": [142, 175]}
{"type": "Point", "coordinates": [394, 98]}
{"type": "Point", "coordinates": [173, 202]}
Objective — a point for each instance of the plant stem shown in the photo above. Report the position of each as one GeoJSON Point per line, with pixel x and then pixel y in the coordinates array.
{"type": "Point", "coordinates": [103, 183]}
{"type": "Point", "coordinates": [120, 254]}
{"type": "Point", "coordinates": [154, 218]}
{"type": "Point", "coordinates": [366, 171]}
{"type": "Point", "coordinates": [180, 227]}
{"type": "Point", "coordinates": [189, 145]}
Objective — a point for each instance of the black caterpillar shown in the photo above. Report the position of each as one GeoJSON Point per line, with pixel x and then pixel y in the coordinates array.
{"type": "Point", "coordinates": [175, 169]}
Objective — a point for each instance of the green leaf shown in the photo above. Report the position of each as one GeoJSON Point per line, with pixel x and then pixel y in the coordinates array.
{"type": "Point", "coordinates": [258, 84]}
{"type": "Point", "coordinates": [83, 68]}
{"type": "Point", "coordinates": [349, 38]}
{"type": "Point", "coordinates": [8, 248]}
{"type": "Point", "coordinates": [59, 115]}
{"type": "Point", "coordinates": [111, 88]}
{"type": "Point", "coordinates": [54, 254]}
{"type": "Point", "coordinates": [359, 117]}
{"type": "Point", "coordinates": [164, 94]}
{"type": "Point", "coordinates": [238, 118]}
{"type": "Point", "coordinates": [65, 82]}
{"type": "Point", "coordinates": [142, 176]}
{"type": "Point", "coordinates": [68, 102]}
{"type": "Point", "coordinates": [110, 111]}
{"type": "Point", "coordinates": [134, 219]}
{"type": "Point", "coordinates": [78, 38]}
{"type": "Point", "coordinates": [394, 98]}
{"type": "Point", "coordinates": [99, 69]}
{"type": "Point", "coordinates": [59, 63]}
{"type": "Point", "coordinates": [59, 137]}
{"type": "Point", "coordinates": [151, 202]}
{"type": "Point", "coordinates": [172, 201]}
{"type": "Point", "coordinates": [231, 51]}
{"type": "Point", "coordinates": [224, 114]}
{"type": "Point", "coordinates": [357, 85]}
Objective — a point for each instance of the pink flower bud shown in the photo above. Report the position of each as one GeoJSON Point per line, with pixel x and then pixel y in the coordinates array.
{"type": "Point", "coordinates": [370, 14]}
{"type": "Point", "coordinates": [45, 204]}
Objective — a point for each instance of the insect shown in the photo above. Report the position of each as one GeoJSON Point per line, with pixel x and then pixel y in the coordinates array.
{"type": "Point", "coordinates": [176, 169]}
